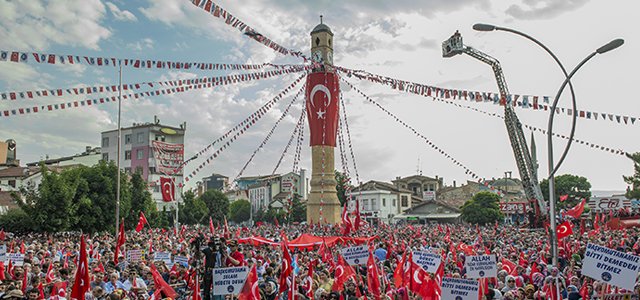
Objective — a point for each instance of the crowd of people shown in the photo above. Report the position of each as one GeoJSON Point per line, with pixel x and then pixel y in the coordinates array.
{"type": "Point", "coordinates": [523, 260]}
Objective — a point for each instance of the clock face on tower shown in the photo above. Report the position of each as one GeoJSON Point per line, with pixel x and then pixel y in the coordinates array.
{"type": "Point", "coordinates": [317, 56]}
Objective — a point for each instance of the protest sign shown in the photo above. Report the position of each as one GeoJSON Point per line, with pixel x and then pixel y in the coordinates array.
{"type": "Point", "coordinates": [181, 260]}
{"type": "Point", "coordinates": [613, 267]}
{"type": "Point", "coordinates": [3, 253]}
{"type": "Point", "coordinates": [135, 255]}
{"type": "Point", "coordinates": [163, 256]}
{"type": "Point", "coordinates": [481, 266]}
{"type": "Point", "coordinates": [17, 259]}
{"type": "Point", "coordinates": [357, 255]}
{"type": "Point", "coordinates": [229, 280]}
{"type": "Point", "coordinates": [459, 289]}
{"type": "Point", "coordinates": [427, 260]}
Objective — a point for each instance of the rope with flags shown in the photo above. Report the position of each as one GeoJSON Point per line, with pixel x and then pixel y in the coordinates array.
{"type": "Point", "coordinates": [202, 83]}
{"type": "Point", "coordinates": [241, 128]}
{"type": "Point", "coordinates": [76, 91]}
{"type": "Point", "coordinates": [431, 144]}
{"type": "Point", "coordinates": [298, 127]}
{"type": "Point", "coordinates": [229, 19]}
{"type": "Point", "coordinates": [527, 101]}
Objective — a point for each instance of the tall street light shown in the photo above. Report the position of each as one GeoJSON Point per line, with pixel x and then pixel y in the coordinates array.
{"type": "Point", "coordinates": [554, 168]}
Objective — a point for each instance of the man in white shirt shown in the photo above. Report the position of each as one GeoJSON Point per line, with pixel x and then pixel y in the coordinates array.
{"type": "Point", "coordinates": [133, 282]}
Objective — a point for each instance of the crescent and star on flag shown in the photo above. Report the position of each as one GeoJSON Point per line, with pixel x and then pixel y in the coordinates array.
{"type": "Point", "coordinates": [320, 114]}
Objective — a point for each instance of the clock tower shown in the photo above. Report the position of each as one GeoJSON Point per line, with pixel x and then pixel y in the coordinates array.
{"type": "Point", "coordinates": [322, 102]}
{"type": "Point", "coordinates": [322, 46]}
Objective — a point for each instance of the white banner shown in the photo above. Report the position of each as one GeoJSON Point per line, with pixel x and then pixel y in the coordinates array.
{"type": "Point", "coordinates": [163, 256]}
{"type": "Point", "coordinates": [481, 266]}
{"type": "Point", "coordinates": [427, 260]}
{"type": "Point", "coordinates": [17, 259]}
{"type": "Point", "coordinates": [459, 289]}
{"type": "Point", "coordinates": [611, 266]}
{"type": "Point", "coordinates": [357, 255]}
{"type": "Point", "coordinates": [135, 255]}
{"type": "Point", "coordinates": [229, 280]}
{"type": "Point", "coordinates": [3, 254]}
{"type": "Point", "coordinates": [181, 260]}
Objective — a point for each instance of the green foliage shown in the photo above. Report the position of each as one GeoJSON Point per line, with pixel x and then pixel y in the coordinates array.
{"type": "Point", "coordinates": [577, 187]}
{"type": "Point", "coordinates": [141, 201]}
{"type": "Point", "coordinates": [342, 183]}
{"type": "Point", "coordinates": [217, 203]}
{"type": "Point", "coordinates": [482, 209]}
{"type": "Point", "coordinates": [634, 180]}
{"type": "Point", "coordinates": [192, 210]}
{"type": "Point", "coordinates": [298, 210]}
{"type": "Point", "coordinates": [239, 211]}
{"type": "Point", "coordinates": [16, 221]}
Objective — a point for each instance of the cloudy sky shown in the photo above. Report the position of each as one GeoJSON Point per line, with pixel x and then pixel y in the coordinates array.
{"type": "Point", "coordinates": [400, 39]}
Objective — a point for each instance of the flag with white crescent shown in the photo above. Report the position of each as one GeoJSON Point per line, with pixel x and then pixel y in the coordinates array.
{"type": "Point", "coordinates": [167, 187]}
{"type": "Point", "coordinates": [250, 289]}
{"type": "Point", "coordinates": [322, 96]}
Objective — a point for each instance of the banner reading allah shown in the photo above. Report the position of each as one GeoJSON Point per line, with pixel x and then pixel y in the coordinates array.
{"type": "Point", "coordinates": [322, 96]}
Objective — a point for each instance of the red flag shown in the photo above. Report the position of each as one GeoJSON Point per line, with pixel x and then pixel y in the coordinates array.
{"type": "Point", "coordinates": [398, 278]}
{"type": "Point", "coordinates": [346, 221]}
{"type": "Point", "coordinates": [357, 213]}
{"type": "Point", "coordinates": [161, 286]}
{"type": "Point", "coordinates": [509, 266]}
{"type": "Point", "coordinates": [2, 277]}
{"type": "Point", "coordinates": [564, 198]}
{"type": "Point", "coordinates": [167, 188]}
{"type": "Point", "coordinates": [142, 220]}
{"type": "Point", "coordinates": [343, 272]}
{"type": "Point", "coordinates": [227, 234]}
{"type": "Point", "coordinates": [82, 281]}
{"type": "Point", "coordinates": [120, 241]}
{"type": "Point", "coordinates": [41, 290]}
{"type": "Point", "coordinates": [250, 290]}
{"type": "Point", "coordinates": [196, 288]}
{"type": "Point", "coordinates": [24, 283]}
{"type": "Point", "coordinates": [373, 277]}
{"type": "Point", "coordinates": [596, 226]}
{"type": "Point", "coordinates": [50, 276]}
{"type": "Point", "coordinates": [576, 211]}
{"type": "Point", "coordinates": [2, 235]}
{"type": "Point", "coordinates": [275, 221]}
{"type": "Point", "coordinates": [211, 228]}
{"type": "Point", "coordinates": [307, 284]}
{"type": "Point", "coordinates": [564, 230]}
{"type": "Point", "coordinates": [22, 249]}
{"type": "Point", "coordinates": [286, 264]}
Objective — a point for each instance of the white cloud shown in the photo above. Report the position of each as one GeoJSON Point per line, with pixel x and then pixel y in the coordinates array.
{"type": "Point", "coordinates": [121, 15]}
{"type": "Point", "coordinates": [35, 25]}
{"type": "Point", "coordinates": [146, 43]}
{"type": "Point", "coordinates": [543, 9]}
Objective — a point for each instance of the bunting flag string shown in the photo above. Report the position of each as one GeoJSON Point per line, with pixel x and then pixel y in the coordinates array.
{"type": "Point", "coordinates": [87, 90]}
{"type": "Point", "coordinates": [241, 128]}
{"type": "Point", "coordinates": [219, 12]}
{"type": "Point", "coordinates": [431, 144]}
{"type": "Point", "coordinates": [210, 82]}
{"type": "Point", "coordinates": [66, 59]}
{"type": "Point", "coordinates": [532, 128]}
{"type": "Point", "coordinates": [536, 103]}
{"type": "Point", "coordinates": [270, 133]}
{"type": "Point", "coordinates": [299, 126]}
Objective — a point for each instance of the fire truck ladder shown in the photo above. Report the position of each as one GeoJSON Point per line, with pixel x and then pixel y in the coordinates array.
{"type": "Point", "coordinates": [528, 172]}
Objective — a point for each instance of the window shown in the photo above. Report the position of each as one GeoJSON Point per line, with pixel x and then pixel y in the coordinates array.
{"type": "Point", "coordinates": [140, 137]}
{"type": "Point", "coordinates": [139, 170]}
{"type": "Point", "coordinates": [374, 204]}
{"type": "Point", "coordinates": [365, 204]}
{"type": "Point", "coordinates": [394, 202]}
{"type": "Point", "coordinates": [156, 188]}
{"type": "Point", "coordinates": [152, 170]}
{"type": "Point", "coordinates": [127, 139]}
{"type": "Point", "coordinates": [105, 142]}
{"type": "Point", "coordinates": [384, 202]}
{"type": "Point", "coordinates": [127, 155]}
{"type": "Point", "coordinates": [105, 156]}
{"type": "Point", "coordinates": [160, 138]}
{"type": "Point", "coordinates": [12, 183]}
{"type": "Point", "coordinates": [405, 201]}
{"type": "Point", "coordinates": [139, 154]}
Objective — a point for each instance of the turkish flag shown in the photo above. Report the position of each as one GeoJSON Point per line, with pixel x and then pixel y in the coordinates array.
{"type": "Point", "coordinates": [250, 290]}
{"type": "Point", "coordinates": [141, 222]}
{"type": "Point", "coordinates": [196, 288]}
{"type": "Point", "coordinates": [373, 277]}
{"type": "Point", "coordinates": [322, 96]}
{"type": "Point", "coordinates": [211, 228]}
{"type": "Point", "coordinates": [286, 270]}
{"type": "Point", "coordinates": [509, 266]}
{"type": "Point", "coordinates": [564, 230]}
{"type": "Point", "coordinates": [161, 286]}
{"type": "Point", "coordinates": [82, 281]}
{"type": "Point", "coordinates": [307, 284]}
{"type": "Point", "coordinates": [358, 221]}
{"type": "Point", "coordinates": [346, 221]}
{"type": "Point", "coordinates": [343, 272]}
{"type": "Point", "coordinates": [50, 274]}
{"type": "Point", "coordinates": [120, 241]}
{"type": "Point", "coordinates": [564, 198]}
{"type": "Point", "coordinates": [576, 211]}
{"type": "Point", "coordinates": [167, 187]}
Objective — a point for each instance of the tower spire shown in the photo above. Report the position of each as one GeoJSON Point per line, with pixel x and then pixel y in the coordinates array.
{"type": "Point", "coordinates": [320, 19]}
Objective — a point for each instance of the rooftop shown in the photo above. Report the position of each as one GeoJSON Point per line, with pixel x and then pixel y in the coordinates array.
{"type": "Point", "coordinates": [321, 28]}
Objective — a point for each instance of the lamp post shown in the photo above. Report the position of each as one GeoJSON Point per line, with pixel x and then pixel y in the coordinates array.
{"type": "Point", "coordinates": [554, 168]}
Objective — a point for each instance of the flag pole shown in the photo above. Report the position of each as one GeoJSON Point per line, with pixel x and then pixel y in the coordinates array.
{"type": "Point", "coordinates": [118, 148]}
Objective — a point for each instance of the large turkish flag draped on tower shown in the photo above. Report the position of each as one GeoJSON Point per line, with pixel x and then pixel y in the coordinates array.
{"type": "Point", "coordinates": [167, 188]}
{"type": "Point", "coordinates": [322, 97]}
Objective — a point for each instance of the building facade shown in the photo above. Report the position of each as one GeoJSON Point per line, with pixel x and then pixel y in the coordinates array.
{"type": "Point", "coordinates": [423, 187]}
{"type": "Point", "coordinates": [273, 191]}
{"type": "Point", "coordinates": [151, 149]}
{"type": "Point", "coordinates": [380, 201]}
{"type": "Point", "coordinates": [215, 182]}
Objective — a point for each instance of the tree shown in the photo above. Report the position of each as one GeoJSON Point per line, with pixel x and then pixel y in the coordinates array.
{"type": "Point", "coordinates": [141, 201]}
{"type": "Point", "coordinates": [217, 203]}
{"type": "Point", "coordinates": [634, 180]}
{"type": "Point", "coordinates": [192, 209]}
{"type": "Point", "coordinates": [577, 187]}
{"type": "Point", "coordinates": [239, 210]}
{"type": "Point", "coordinates": [482, 209]}
{"type": "Point", "coordinates": [342, 184]}
{"type": "Point", "coordinates": [298, 210]}
{"type": "Point", "coordinates": [16, 221]}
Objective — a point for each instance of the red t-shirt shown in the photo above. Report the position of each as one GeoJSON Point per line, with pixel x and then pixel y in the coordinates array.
{"type": "Point", "coordinates": [237, 255]}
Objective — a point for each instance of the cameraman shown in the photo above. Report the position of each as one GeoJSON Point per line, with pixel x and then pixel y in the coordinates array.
{"type": "Point", "coordinates": [213, 255]}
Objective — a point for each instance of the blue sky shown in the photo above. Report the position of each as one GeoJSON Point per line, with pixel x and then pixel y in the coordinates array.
{"type": "Point", "coordinates": [400, 39]}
